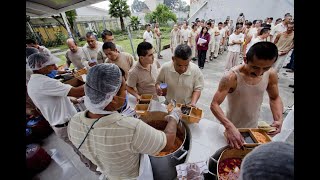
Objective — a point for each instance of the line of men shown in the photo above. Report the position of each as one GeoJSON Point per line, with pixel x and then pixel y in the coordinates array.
{"type": "Point", "coordinates": [113, 142]}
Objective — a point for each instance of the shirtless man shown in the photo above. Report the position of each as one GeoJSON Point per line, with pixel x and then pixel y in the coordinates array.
{"type": "Point", "coordinates": [244, 86]}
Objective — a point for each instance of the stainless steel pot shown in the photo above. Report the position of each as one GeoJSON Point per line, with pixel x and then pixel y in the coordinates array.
{"type": "Point", "coordinates": [164, 167]}
{"type": "Point", "coordinates": [213, 163]}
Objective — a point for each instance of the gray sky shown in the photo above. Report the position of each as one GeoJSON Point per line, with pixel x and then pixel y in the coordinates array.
{"type": "Point", "coordinates": [105, 4]}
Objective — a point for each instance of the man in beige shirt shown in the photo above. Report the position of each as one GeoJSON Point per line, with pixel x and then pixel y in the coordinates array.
{"type": "Point", "coordinates": [115, 141]}
{"type": "Point", "coordinates": [107, 36]}
{"type": "Point", "coordinates": [284, 42]}
{"type": "Point", "coordinates": [122, 59]}
{"type": "Point", "coordinates": [184, 79]}
{"type": "Point", "coordinates": [91, 49]}
{"type": "Point", "coordinates": [74, 54]}
{"type": "Point", "coordinates": [144, 73]}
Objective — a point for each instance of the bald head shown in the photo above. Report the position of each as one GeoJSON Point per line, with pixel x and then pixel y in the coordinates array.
{"type": "Point", "coordinates": [72, 45]}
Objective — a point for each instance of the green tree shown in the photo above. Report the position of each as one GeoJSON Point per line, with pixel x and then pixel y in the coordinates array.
{"type": "Point", "coordinates": [162, 14]}
{"type": "Point", "coordinates": [71, 17]}
{"type": "Point", "coordinates": [119, 9]}
{"type": "Point", "coordinates": [134, 21]}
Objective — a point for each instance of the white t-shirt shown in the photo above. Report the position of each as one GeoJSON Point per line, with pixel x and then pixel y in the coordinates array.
{"type": "Point", "coordinates": [252, 42]}
{"type": "Point", "coordinates": [184, 34]}
{"type": "Point", "coordinates": [279, 28]}
{"type": "Point", "coordinates": [50, 96]}
{"type": "Point", "coordinates": [220, 36]}
{"type": "Point", "coordinates": [235, 47]}
{"type": "Point", "coordinates": [148, 36]}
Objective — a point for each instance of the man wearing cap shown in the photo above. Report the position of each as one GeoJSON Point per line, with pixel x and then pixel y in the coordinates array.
{"type": "Point", "coordinates": [51, 97]}
{"type": "Point", "coordinates": [112, 141]}
{"type": "Point", "coordinates": [184, 79]}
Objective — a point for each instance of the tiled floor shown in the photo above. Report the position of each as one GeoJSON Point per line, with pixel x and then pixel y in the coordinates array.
{"type": "Point", "coordinates": [66, 165]}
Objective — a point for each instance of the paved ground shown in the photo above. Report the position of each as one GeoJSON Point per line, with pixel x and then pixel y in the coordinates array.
{"type": "Point", "coordinates": [66, 165]}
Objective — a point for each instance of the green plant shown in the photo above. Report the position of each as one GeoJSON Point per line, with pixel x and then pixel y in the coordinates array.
{"type": "Point", "coordinates": [119, 9]}
{"type": "Point", "coordinates": [161, 14]}
{"type": "Point", "coordinates": [134, 21]}
{"type": "Point", "coordinates": [60, 38]}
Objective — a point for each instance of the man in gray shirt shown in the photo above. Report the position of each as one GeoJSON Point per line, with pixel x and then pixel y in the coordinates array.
{"type": "Point", "coordinates": [74, 54]}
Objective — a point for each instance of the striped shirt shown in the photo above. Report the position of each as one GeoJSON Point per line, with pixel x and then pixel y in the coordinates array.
{"type": "Point", "coordinates": [115, 142]}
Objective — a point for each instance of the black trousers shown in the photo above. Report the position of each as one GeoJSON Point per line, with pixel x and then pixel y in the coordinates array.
{"type": "Point", "coordinates": [201, 57]}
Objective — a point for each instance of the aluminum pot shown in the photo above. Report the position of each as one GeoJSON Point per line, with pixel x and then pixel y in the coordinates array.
{"type": "Point", "coordinates": [212, 164]}
{"type": "Point", "coordinates": [164, 167]}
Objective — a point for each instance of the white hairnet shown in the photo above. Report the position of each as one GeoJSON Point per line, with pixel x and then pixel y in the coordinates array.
{"type": "Point", "coordinates": [102, 84]}
{"type": "Point", "coordinates": [39, 60]}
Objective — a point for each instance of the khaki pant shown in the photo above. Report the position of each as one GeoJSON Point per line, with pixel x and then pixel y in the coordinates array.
{"type": "Point", "coordinates": [232, 59]}
{"type": "Point", "coordinates": [158, 46]}
{"type": "Point", "coordinates": [216, 49]}
{"type": "Point", "coordinates": [62, 133]}
{"type": "Point", "coordinates": [279, 63]}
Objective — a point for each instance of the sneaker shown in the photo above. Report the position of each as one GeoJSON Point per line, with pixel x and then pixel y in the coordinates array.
{"type": "Point", "coordinates": [291, 85]}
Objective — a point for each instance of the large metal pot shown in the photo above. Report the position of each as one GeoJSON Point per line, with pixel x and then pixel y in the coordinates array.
{"type": "Point", "coordinates": [164, 167]}
{"type": "Point", "coordinates": [212, 164]}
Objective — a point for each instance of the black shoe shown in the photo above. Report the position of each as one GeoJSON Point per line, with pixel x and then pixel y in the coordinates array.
{"type": "Point", "coordinates": [214, 57]}
{"type": "Point", "coordinates": [286, 67]}
{"type": "Point", "coordinates": [291, 85]}
{"type": "Point", "coordinates": [293, 92]}
{"type": "Point", "coordinates": [289, 70]}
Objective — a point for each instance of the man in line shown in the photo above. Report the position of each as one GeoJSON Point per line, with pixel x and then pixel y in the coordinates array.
{"type": "Point", "coordinates": [281, 27]}
{"type": "Point", "coordinates": [175, 38]}
{"type": "Point", "coordinates": [122, 59]}
{"type": "Point", "coordinates": [107, 36]}
{"type": "Point", "coordinates": [51, 98]}
{"type": "Point", "coordinates": [148, 35]}
{"type": "Point", "coordinates": [235, 41]}
{"type": "Point", "coordinates": [91, 49]}
{"type": "Point", "coordinates": [115, 142]}
{"type": "Point", "coordinates": [244, 86]}
{"type": "Point", "coordinates": [284, 42]}
{"type": "Point", "coordinates": [144, 73]}
{"type": "Point", "coordinates": [158, 40]}
{"type": "Point", "coordinates": [74, 54]}
{"type": "Point", "coordinates": [184, 79]}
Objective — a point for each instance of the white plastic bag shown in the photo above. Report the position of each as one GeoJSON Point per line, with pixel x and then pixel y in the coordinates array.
{"type": "Point", "coordinates": [145, 170]}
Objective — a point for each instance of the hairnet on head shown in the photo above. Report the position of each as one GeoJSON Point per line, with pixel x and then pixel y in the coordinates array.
{"type": "Point", "coordinates": [39, 60]}
{"type": "Point", "coordinates": [102, 84]}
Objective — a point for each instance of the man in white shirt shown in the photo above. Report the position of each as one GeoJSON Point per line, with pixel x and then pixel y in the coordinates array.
{"type": "Point", "coordinates": [235, 40]}
{"type": "Point", "coordinates": [184, 33]}
{"type": "Point", "coordinates": [148, 35]}
{"type": "Point", "coordinates": [219, 40]}
{"type": "Point", "coordinates": [281, 27]}
{"type": "Point", "coordinates": [51, 97]}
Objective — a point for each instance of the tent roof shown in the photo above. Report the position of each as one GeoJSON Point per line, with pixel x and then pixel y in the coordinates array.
{"type": "Point", "coordinates": [47, 8]}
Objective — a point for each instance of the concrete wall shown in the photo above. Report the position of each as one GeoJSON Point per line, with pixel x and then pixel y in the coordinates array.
{"type": "Point", "coordinates": [252, 9]}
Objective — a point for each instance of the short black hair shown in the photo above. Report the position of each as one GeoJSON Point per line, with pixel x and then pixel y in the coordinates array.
{"type": "Point", "coordinates": [254, 21]}
{"type": "Point", "coordinates": [90, 33]}
{"type": "Point", "coordinates": [143, 48]}
{"type": "Point", "coordinates": [264, 30]}
{"type": "Point", "coordinates": [30, 41]}
{"type": "Point", "coordinates": [263, 50]}
{"type": "Point", "coordinates": [271, 18]}
{"type": "Point", "coordinates": [249, 23]}
{"type": "Point", "coordinates": [209, 23]}
{"type": "Point", "coordinates": [183, 51]}
{"type": "Point", "coordinates": [279, 19]}
{"type": "Point", "coordinates": [105, 33]}
{"type": "Point", "coordinates": [109, 45]}
{"type": "Point", "coordinates": [147, 25]}
{"type": "Point", "coordinates": [220, 23]}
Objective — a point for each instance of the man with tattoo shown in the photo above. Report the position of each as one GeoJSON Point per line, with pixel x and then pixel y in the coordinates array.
{"type": "Point", "coordinates": [244, 86]}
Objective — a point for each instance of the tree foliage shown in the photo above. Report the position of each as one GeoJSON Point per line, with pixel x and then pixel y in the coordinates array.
{"type": "Point", "coordinates": [119, 9]}
{"type": "Point", "coordinates": [134, 21]}
{"type": "Point", "coordinates": [162, 14]}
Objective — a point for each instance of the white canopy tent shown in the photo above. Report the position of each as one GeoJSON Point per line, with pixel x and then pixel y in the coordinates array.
{"type": "Point", "coordinates": [47, 8]}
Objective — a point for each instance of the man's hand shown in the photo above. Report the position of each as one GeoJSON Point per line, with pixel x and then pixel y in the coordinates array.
{"type": "Point", "coordinates": [159, 90]}
{"type": "Point", "coordinates": [138, 98]}
{"type": "Point", "coordinates": [73, 100]}
{"type": "Point", "coordinates": [234, 137]}
{"type": "Point", "coordinates": [174, 114]}
{"type": "Point", "coordinates": [192, 104]}
{"type": "Point", "coordinates": [278, 126]}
